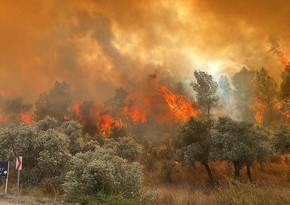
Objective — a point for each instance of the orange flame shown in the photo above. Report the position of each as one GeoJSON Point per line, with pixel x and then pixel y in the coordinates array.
{"type": "Point", "coordinates": [25, 118]}
{"type": "Point", "coordinates": [107, 122]}
{"type": "Point", "coordinates": [135, 113]}
{"type": "Point", "coordinates": [259, 116]}
{"type": "Point", "coordinates": [76, 107]}
{"type": "Point", "coordinates": [178, 105]}
{"type": "Point", "coordinates": [282, 57]}
{"type": "Point", "coordinates": [3, 118]}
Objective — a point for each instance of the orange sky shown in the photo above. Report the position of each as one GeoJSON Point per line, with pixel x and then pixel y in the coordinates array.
{"type": "Point", "coordinates": [97, 45]}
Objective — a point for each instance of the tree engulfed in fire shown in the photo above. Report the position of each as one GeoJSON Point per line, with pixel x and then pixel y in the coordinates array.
{"type": "Point", "coordinates": [108, 121]}
{"type": "Point", "coordinates": [179, 106]}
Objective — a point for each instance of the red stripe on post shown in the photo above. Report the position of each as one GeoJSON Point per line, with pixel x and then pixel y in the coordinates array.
{"type": "Point", "coordinates": [19, 163]}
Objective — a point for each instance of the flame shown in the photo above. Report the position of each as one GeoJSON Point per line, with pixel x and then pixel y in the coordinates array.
{"type": "Point", "coordinates": [178, 105]}
{"type": "Point", "coordinates": [26, 118]}
{"type": "Point", "coordinates": [282, 57]}
{"type": "Point", "coordinates": [135, 113]}
{"type": "Point", "coordinates": [108, 121]}
{"type": "Point", "coordinates": [259, 116]}
{"type": "Point", "coordinates": [3, 118]}
{"type": "Point", "coordinates": [76, 107]}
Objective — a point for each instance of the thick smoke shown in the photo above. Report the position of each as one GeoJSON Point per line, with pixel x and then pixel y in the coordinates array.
{"type": "Point", "coordinates": [97, 46]}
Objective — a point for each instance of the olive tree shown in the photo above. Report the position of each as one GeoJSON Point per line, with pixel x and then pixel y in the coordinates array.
{"type": "Point", "coordinates": [240, 143]}
{"type": "Point", "coordinates": [195, 143]}
{"type": "Point", "coordinates": [281, 139]}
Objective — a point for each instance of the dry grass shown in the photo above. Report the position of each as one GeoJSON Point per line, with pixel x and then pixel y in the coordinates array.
{"type": "Point", "coordinates": [184, 195]}
{"type": "Point", "coordinates": [236, 193]}
{"type": "Point", "coordinates": [232, 193]}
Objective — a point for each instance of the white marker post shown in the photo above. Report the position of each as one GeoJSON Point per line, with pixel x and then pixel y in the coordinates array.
{"type": "Point", "coordinates": [18, 168]}
{"type": "Point", "coordinates": [6, 184]}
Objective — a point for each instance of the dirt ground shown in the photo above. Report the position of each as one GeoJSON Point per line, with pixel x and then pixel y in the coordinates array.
{"type": "Point", "coordinates": [6, 203]}
{"type": "Point", "coordinates": [6, 199]}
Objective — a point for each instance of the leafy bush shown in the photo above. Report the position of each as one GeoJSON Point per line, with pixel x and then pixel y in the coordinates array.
{"type": "Point", "coordinates": [103, 171]}
{"type": "Point", "coordinates": [125, 147]}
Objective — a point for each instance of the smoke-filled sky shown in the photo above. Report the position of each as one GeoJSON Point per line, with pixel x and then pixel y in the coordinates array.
{"type": "Point", "coordinates": [98, 45]}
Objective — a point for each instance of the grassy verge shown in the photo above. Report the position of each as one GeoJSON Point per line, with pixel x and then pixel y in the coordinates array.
{"type": "Point", "coordinates": [102, 199]}
{"type": "Point", "coordinates": [232, 193]}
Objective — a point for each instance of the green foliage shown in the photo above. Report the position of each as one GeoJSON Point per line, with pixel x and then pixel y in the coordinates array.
{"type": "Point", "coordinates": [52, 154]}
{"type": "Point", "coordinates": [125, 147]}
{"type": "Point", "coordinates": [240, 143]}
{"type": "Point", "coordinates": [206, 91]}
{"type": "Point", "coordinates": [17, 140]}
{"type": "Point", "coordinates": [102, 170]}
{"type": "Point", "coordinates": [73, 130]}
{"type": "Point", "coordinates": [45, 124]}
{"type": "Point", "coordinates": [281, 139]}
{"type": "Point", "coordinates": [167, 170]}
{"type": "Point", "coordinates": [194, 137]}
{"type": "Point", "coordinates": [196, 143]}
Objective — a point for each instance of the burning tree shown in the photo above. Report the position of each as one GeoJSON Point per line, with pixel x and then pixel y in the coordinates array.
{"type": "Point", "coordinates": [285, 91]}
{"type": "Point", "coordinates": [54, 103]}
{"type": "Point", "coordinates": [15, 109]}
{"type": "Point", "coordinates": [206, 91]}
{"type": "Point", "coordinates": [266, 93]}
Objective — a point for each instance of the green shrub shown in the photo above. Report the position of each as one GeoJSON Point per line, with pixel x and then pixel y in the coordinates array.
{"type": "Point", "coordinates": [103, 171]}
{"type": "Point", "coordinates": [125, 147]}
{"type": "Point", "coordinates": [150, 160]}
{"type": "Point", "coordinates": [167, 170]}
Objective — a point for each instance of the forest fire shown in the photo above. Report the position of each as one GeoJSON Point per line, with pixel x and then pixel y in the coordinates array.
{"type": "Point", "coordinates": [76, 107]}
{"type": "Point", "coordinates": [282, 57]}
{"type": "Point", "coordinates": [107, 122]}
{"type": "Point", "coordinates": [179, 106]}
{"type": "Point", "coordinates": [26, 118]}
{"type": "Point", "coordinates": [135, 113]}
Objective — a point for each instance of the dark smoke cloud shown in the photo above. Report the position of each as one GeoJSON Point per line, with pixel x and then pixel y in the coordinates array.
{"type": "Point", "coordinates": [96, 46]}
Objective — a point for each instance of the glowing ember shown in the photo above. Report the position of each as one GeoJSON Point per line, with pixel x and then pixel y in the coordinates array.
{"type": "Point", "coordinates": [178, 105]}
{"type": "Point", "coordinates": [25, 118]}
